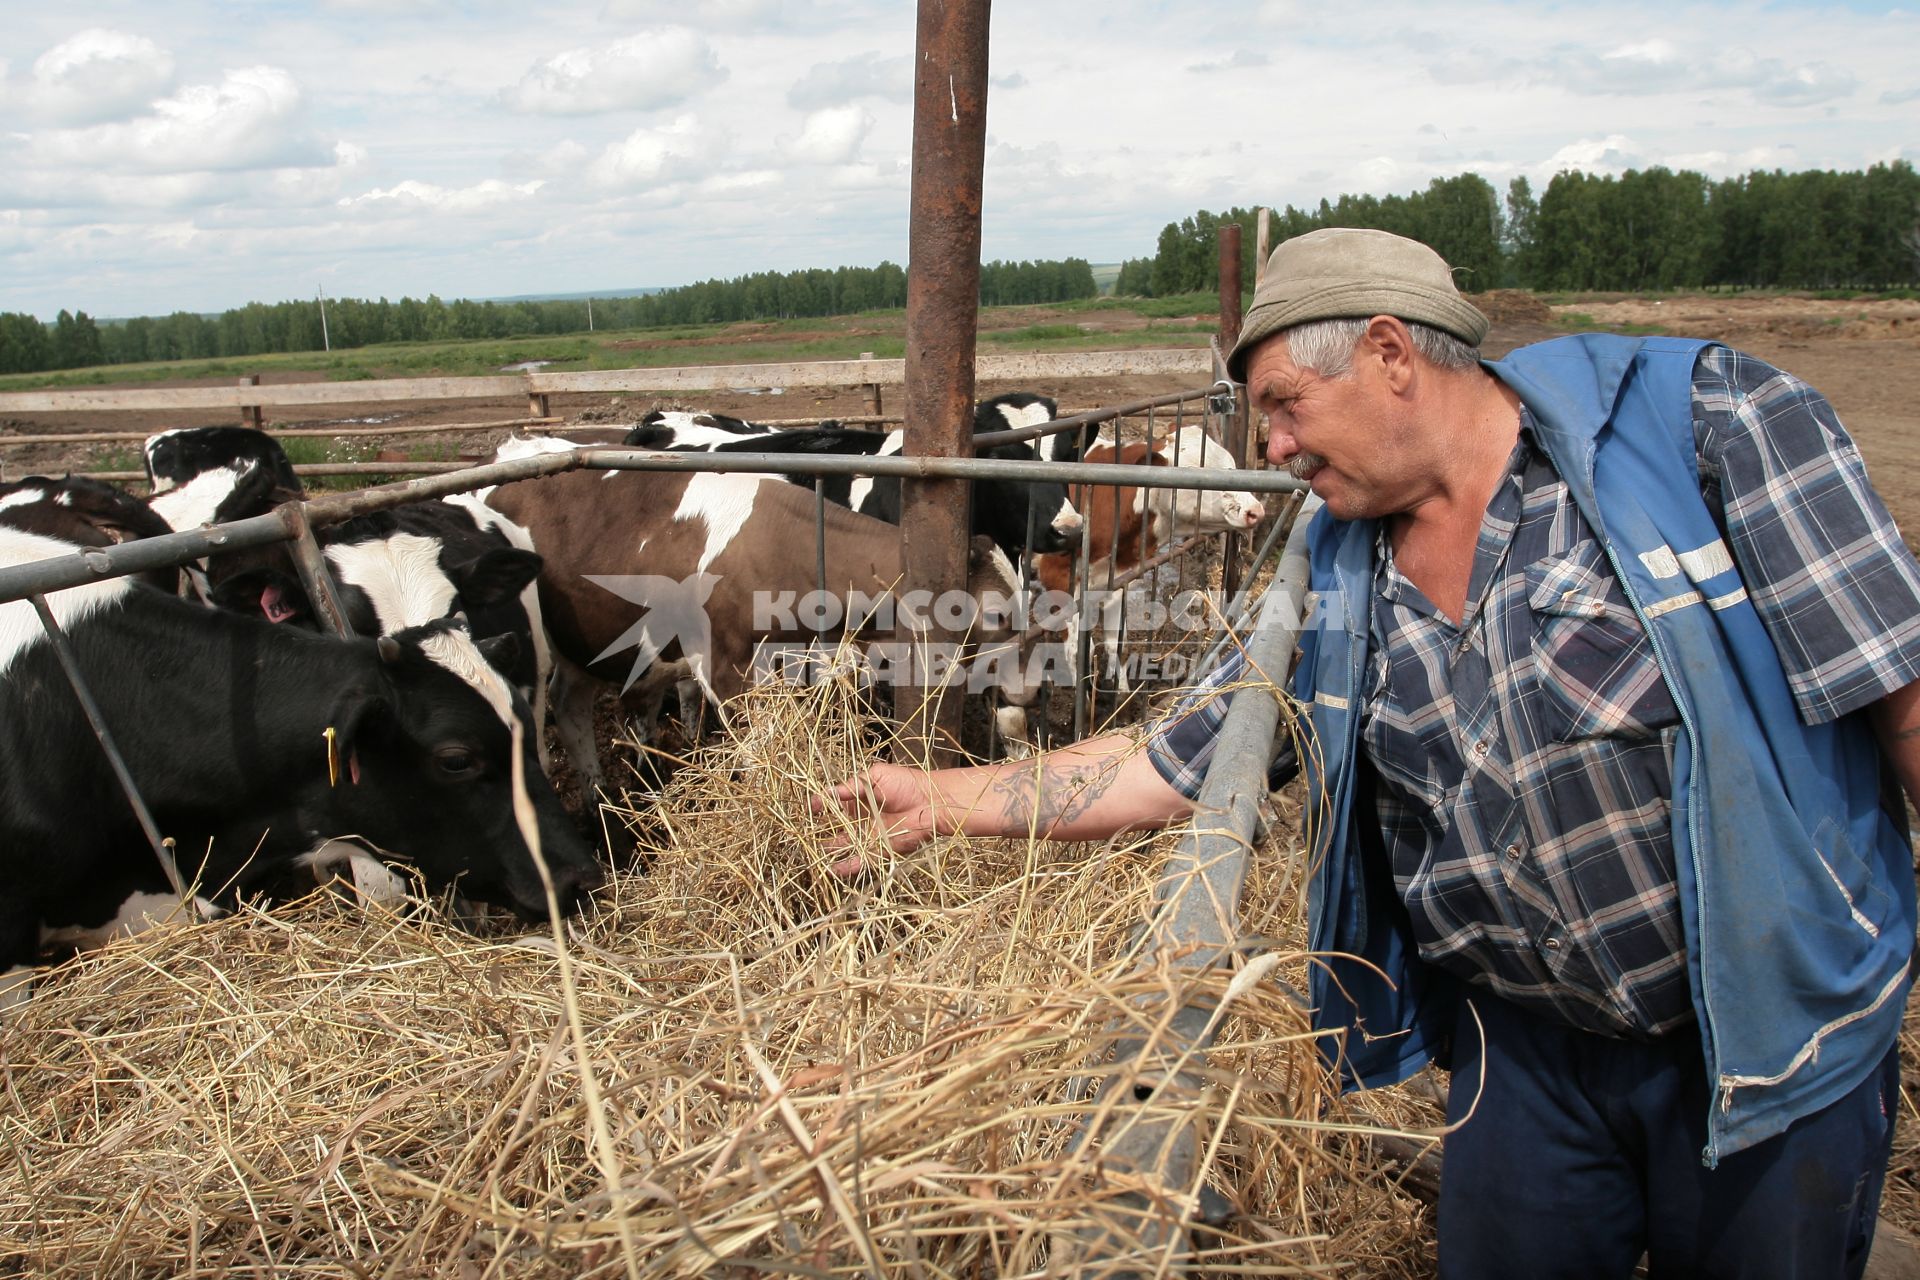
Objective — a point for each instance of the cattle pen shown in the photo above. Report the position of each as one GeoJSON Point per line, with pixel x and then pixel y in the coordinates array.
{"type": "Point", "coordinates": [991, 1058]}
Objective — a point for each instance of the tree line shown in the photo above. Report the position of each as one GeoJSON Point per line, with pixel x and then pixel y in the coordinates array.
{"type": "Point", "coordinates": [1648, 229]}
{"type": "Point", "coordinates": [75, 340]}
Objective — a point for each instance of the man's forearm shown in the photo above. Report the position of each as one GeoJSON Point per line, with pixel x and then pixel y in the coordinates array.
{"type": "Point", "coordinates": [1086, 791]}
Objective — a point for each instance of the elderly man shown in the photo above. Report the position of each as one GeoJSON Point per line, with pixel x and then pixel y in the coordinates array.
{"type": "Point", "coordinates": [1612, 684]}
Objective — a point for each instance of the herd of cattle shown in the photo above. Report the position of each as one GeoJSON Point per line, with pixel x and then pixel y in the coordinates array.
{"type": "Point", "coordinates": [272, 754]}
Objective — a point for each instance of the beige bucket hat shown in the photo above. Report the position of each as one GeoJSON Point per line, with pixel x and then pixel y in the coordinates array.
{"type": "Point", "coordinates": [1348, 272]}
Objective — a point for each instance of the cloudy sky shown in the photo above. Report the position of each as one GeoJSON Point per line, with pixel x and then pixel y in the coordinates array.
{"type": "Point", "coordinates": [194, 155]}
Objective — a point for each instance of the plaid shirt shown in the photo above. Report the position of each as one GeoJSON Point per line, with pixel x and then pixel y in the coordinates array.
{"type": "Point", "coordinates": [1523, 757]}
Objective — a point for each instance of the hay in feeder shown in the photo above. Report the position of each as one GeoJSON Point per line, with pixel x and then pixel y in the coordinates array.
{"type": "Point", "coordinates": [741, 1063]}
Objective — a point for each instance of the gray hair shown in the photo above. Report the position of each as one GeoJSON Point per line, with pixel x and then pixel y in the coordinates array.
{"type": "Point", "coordinates": [1326, 346]}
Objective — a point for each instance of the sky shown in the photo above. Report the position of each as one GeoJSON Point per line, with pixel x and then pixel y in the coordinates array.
{"type": "Point", "coordinates": [185, 155]}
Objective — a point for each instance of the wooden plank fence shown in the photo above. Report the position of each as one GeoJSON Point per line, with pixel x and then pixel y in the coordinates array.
{"type": "Point", "coordinates": [536, 385]}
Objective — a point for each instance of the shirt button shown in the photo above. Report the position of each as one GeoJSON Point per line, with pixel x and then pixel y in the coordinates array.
{"type": "Point", "coordinates": [1513, 851]}
{"type": "Point", "coordinates": [1480, 749]}
{"type": "Point", "coordinates": [1553, 944]}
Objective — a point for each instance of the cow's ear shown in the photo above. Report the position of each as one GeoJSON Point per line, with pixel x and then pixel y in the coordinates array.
{"type": "Point", "coordinates": [500, 651]}
{"type": "Point", "coordinates": [354, 721]}
{"type": "Point", "coordinates": [498, 576]}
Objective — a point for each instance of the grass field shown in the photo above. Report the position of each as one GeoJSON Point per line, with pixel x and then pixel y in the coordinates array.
{"type": "Point", "coordinates": [1089, 324]}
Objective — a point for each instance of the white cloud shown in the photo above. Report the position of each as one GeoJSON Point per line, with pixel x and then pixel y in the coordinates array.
{"type": "Point", "coordinates": [639, 73]}
{"type": "Point", "coordinates": [730, 16]}
{"type": "Point", "coordinates": [252, 119]}
{"type": "Point", "coordinates": [1240, 60]}
{"type": "Point", "coordinates": [1643, 68]}
{"type": "Point", "coordinates": [1804, 86]}
{"type": "Point", "coordinates": [649, 157]}
{"type": "Point", "coordinates": [833, 136]}
{"type": "Point", "coordinates": [865, 75]}
{"type": "Point", "coordinates": [1612, 154]}
{"type": "Point", "coordinates": [412, 196]}
{"type": "Point", "coordinates": [93, 76]}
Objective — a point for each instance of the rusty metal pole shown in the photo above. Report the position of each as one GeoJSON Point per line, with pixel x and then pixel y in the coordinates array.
{"type": "Point", "coordinates": [943, 305]}
{"type": "Point", "coordinates": [1236, 441]}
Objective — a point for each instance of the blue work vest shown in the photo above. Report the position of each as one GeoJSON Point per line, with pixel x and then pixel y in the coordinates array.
{"type": "Point", "coordinates": [1796, 880]}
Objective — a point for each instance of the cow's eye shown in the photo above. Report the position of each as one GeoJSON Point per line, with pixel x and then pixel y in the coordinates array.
{"type": "Point", "coordinates": [456, 762]}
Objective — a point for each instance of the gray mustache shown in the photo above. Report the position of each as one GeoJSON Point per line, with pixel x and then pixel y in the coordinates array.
{"type": "Point", "coordinates": [1304, 465]}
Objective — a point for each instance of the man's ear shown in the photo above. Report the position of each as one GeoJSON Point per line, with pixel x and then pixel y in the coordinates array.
{"type": "Point", "coordinates": [1388, 340]}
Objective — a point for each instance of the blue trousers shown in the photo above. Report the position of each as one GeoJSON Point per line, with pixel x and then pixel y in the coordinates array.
{"type": "Point", "coordinates": [1583, 1153]}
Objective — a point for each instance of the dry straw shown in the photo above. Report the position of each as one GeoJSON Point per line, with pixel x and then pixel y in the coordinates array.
{"type": "Point", "coordinates": [795, 1074]}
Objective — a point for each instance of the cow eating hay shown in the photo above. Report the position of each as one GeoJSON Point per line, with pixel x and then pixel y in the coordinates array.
{"type": "Point", "coordinates": [872, 1078]}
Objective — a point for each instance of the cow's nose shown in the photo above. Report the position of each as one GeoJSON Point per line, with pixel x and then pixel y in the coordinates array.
{"type": "Point", "coordinates": [1068, 521]}
{"type": "Point", "coordinates": [1254, 514]}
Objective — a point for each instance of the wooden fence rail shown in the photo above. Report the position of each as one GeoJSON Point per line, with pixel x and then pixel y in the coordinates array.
{"type": "Point", "coordinates": [536, 385]}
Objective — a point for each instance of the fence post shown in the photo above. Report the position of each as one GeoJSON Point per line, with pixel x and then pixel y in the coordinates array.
{"type": "Point", "coordinates": [537, 404]}
{"type": "Point", "coordinates": [252, 415]}
{"type": "Point", "coordinates": [943, 307]}
{"type": "Point", "coordinates": [1236, 442]}
{"type": "Point", "coordinates": [873, 391]}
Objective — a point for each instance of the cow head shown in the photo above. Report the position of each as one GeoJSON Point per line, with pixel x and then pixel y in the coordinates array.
{"type": "Point", "coordinates": [423, 763]}
{"type": "Point", "coordinates": [1033, 514]}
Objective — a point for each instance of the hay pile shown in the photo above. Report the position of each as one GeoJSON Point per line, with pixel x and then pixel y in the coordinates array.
{"type": "Point", "coordinates": [742, 1063]}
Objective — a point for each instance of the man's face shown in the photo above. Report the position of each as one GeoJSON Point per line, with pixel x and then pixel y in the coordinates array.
{"type": "Point", "coordinates": [1345, 435]}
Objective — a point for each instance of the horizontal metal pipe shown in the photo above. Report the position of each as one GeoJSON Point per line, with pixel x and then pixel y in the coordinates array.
{"type": "Point", "coordinates": [961, 468]}
{"type": "Point", "coordinates": [175, 549]}
{"type": "Point", "coordinates": [1016, 435]}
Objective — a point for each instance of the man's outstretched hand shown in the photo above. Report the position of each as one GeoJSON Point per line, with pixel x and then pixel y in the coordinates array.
{"type": "Point", "coordinates": [896, 804]}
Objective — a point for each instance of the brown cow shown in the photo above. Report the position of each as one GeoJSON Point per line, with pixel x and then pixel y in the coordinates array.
{"type": "Point", "coordinates": [1126, 525]}
{"type": "Point", "coordinates": [651, 578]}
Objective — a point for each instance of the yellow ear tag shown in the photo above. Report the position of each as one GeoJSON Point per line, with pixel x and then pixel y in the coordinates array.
{"type": "Point", "coordinates": [333, 758]}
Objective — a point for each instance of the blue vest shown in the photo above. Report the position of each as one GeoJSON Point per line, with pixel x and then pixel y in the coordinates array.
{"type": "Point", "coordinates": [1796, 883]}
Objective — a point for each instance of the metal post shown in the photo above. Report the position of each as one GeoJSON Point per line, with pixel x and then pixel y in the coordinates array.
{"type": "Point", "coordinates": [91, 709]}
{"type": "Point", "coordinates": [313, 570]}
{"type": "Point", "coordinates": [1146, 1123]}
{"type": "Point", "coordinates": [1234, 545]}
{"type": "Point", "coordinates": [943, 301]}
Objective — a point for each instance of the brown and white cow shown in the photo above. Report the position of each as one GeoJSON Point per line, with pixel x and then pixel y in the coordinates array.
{"type": "Point", "coordinates": [649, 578]}
{"type": "Point", "coordinates": [1126, 526]}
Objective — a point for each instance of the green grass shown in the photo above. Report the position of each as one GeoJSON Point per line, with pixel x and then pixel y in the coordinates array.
{"type": "Point", "coordinates": [1035, 333]}
{"type": "Point", "coordinates": [1581, 322]}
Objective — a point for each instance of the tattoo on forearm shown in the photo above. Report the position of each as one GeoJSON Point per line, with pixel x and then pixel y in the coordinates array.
{"type": "Point", "coordinates": [1044, 799]}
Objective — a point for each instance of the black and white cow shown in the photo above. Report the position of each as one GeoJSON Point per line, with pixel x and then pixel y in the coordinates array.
{"type": "Point", "coordinates": [222, 721]}
{"type": "Point", "coordinates": [1027, 409]}
{"type": "Point", "coordinates": [406, 568]}
{"type": "Point", "coordinates": [1017, 515]}
{"type": "Point", "coordinates": [175, 457]}
{"type": "Point", "coordinates": [79, 509]}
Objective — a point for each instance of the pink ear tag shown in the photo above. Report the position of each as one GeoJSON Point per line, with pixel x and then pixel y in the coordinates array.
{"type": "Point", "coordinates": [271, 604]}
{"type": "Point", "coordinates": [353, 767]}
